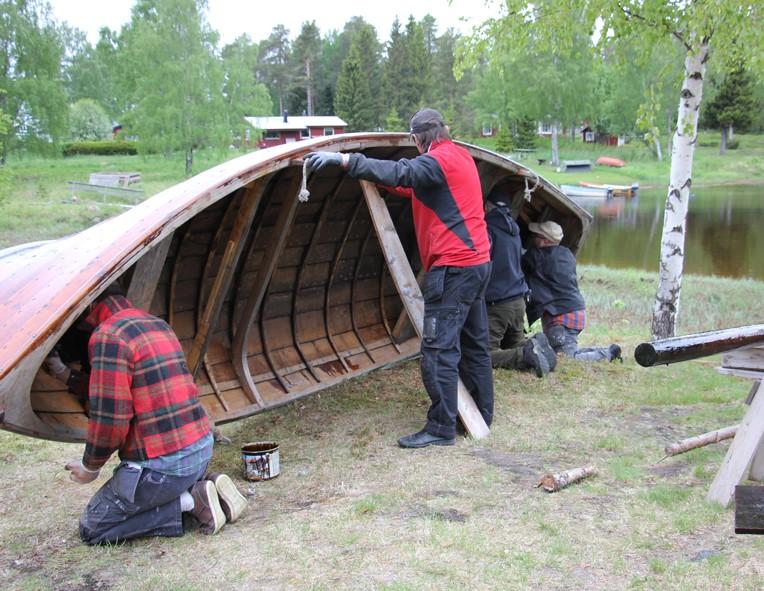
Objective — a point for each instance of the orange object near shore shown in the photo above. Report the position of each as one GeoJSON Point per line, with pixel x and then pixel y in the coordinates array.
{"type": "Point", "coordinates": [610, 161]}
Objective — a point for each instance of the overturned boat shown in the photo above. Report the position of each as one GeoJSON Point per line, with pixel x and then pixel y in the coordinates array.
{"type": "Point", "coordinates": [273, 298]}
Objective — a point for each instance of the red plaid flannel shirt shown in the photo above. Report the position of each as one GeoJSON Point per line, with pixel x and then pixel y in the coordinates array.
{"type": "Point", "coordinates": [143, 400]}
{"type": "Point", "coordinates": [575, 320]}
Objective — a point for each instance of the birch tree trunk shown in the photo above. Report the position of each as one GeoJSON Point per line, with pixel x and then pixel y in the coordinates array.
{"type": "Point", "coordinates": [680, 181]}
{"type": "Point", "coordinates": [555, 145]}
{"type": "Point", "coordinates": [657, 141]}
{"type": "Point", "coordinates": [309, 88]}
{"type": "Point", "coordinates": [723, 143]}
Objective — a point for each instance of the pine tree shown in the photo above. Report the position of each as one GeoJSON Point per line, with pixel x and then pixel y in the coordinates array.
{"type": "Point", "coordinates": [733, 105]}
{"type": "Point", "coordinates": [393, 122]}
{"type": "Point", "coordinates": [504, 140]}
{"type": "Point", "coordinates": [353, 101]}
{"type": "Point", "coordinates": [526, 133]}
{"type": "Point", "coordinates": [369, 49]}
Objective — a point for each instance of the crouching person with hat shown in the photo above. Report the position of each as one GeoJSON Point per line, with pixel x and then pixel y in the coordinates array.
{"type": "Point", "coordinates": [144, 406]}
{"type": "Point", "coordinates": [550, 270]}
{"type": "Point", "coordinates": [505, 296]}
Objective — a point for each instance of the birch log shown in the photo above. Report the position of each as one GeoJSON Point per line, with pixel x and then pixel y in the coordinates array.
{"type": "Point", "coordinates": [680, 181]}
{"type": "Point", "coordinates": [555, 482]}
{"type": "Point", "coordinates": [700, 440]}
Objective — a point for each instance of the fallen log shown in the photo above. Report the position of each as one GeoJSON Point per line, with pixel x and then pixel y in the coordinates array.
{"type": "Point", "coordinates": [555, 482]}
{"type": "Point", "coordinates": [685, 445]}
{"type": "Point", "coordinates": [684, 348]}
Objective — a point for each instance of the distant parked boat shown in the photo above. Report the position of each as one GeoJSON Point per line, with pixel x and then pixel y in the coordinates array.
{"type": "Point", "coordinates": [618, 190]}
{"type": "Point", "coordinates": [579, 191]}
{"type": "Point", "coordinates": [610, 161]}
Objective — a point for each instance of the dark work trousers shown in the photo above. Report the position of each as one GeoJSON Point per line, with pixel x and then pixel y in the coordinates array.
{"type": "Point", "coordinates": [136, 502]}
{"type": "Point", "coordinates": [565, 340]}
{"type": "Point", "coordinates": [506, 321]}
{"type": "Point", "coordinates": [455, 344]}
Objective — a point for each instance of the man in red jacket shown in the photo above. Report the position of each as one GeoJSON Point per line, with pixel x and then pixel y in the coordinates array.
{"type": "Point", "coordinates": [144, 406]}
{"type": "Point", "coordinates": [447, 205]}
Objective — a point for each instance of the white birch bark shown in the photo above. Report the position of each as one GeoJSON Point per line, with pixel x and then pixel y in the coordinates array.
{"type": "Point", "coordinates": [680, 181]}
{"type": "Point", "coordinates": [555, 145]}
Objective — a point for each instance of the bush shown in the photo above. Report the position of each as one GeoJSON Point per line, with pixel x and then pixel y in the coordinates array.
{"type": "Point", "coordinates": [103, 148]}
{"type": "Point", "coordinates": [88, 121]}
{"type": "Point", "coordinates": [733, 144]}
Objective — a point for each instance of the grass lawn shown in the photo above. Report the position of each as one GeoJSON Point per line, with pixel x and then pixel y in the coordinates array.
{"type": "Point", "coordinates": [351, 510]}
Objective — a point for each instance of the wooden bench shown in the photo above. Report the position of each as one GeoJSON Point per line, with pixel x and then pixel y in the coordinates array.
{"type": "Point", "coordinates": [133, 195]}
{"type": "Point", "coordinates": [114, 179]}
{"type": "Point", "coordinates": [743, 349]}
{"type": "Point", "coordinates": [575, 165]}
{"type": "Point", "coordinates": [521, 153]}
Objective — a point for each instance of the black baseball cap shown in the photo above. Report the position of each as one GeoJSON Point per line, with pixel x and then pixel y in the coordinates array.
{"type": "Point", "coordinates": [425, 119]}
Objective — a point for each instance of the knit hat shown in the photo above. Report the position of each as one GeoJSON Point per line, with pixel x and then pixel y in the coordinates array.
{"type": "Point", "coordinates": [549, 230]}
{"type": "Point", "coordinates": [425, 119]}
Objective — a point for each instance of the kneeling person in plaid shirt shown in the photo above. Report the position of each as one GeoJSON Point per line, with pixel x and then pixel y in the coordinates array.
{"type": "Point", "coordinates": [144, 406]}
{"type": "Point", "coordinates": [550, 271]}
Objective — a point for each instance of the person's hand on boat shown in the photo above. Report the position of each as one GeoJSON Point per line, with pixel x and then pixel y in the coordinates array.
{"type": "Point", "coordinates": [319, 160]}
{"type": "Point", "coordinates": [79, 473]}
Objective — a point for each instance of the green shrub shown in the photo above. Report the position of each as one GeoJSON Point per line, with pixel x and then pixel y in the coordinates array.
{"type": "Point", "coordinates": [733, 144]}
{"type": "Point", "coordinates": [103, 148]}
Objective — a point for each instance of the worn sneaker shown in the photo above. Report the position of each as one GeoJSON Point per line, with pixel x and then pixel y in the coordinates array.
{"type": "Point", "coordinates": [207, 509]}
{"type": "Point", "coordinates": [231, 500]}
{"type": "Point", "coordinates": [546, 347]}
{"type": "Point", "coordinates": [615, 353]}
{"type": "Point", "coordinates": [534, 357]}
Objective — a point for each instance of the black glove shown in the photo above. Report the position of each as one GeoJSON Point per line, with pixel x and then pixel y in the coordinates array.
{"type": "Point", "coordinates": [318, 160]}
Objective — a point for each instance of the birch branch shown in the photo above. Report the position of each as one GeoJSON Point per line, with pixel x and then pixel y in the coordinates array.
{"type": "Point", "coordinates": [685, 445]}
{"type": "Point", "coordinates": [555, 482]}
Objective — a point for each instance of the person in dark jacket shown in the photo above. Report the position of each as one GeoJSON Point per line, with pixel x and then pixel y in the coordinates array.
{"type": "Point", "coordinates": [550, 270]}
{"type": "Point", "coordinates": [505, 296]}
{"type": "Point", "coordinates": [447, 206]}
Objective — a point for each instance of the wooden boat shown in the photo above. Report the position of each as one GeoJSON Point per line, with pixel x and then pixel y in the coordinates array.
{"type": "Point", "coordinates": [272, 298]}
{"type": "Point", "coordinates": [618, 190]}
{"type": "Point", "coordinates": [589, 192]}
{"type": "Point", "coordinates": [610, 161]}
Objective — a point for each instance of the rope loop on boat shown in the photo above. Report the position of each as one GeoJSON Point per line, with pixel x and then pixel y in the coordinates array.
{"type": "Point", "coordinates": [304, 193]}
{"type": "Point", "coordinates": [529, 191]}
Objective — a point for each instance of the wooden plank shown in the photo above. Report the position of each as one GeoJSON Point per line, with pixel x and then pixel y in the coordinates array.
{"type": "Point", "coordinates": [749, 510]}
{"type": "Point", "coordinates": [262, 279]}
{"type": "Point", "coordinates": [407, 285]}
{"type": "Point", "coordinates": [146, 275]}
{"type": "Point", "coordinates": [740, 455]}
{"type": "Point", "coordinates": [235, 246]}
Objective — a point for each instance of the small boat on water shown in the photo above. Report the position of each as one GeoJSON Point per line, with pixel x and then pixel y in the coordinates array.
{"type": "Point", "coordinates": [618, 190]}
{"type": "Point", "coordinates": [272, 297]}
{"type": "Point", "coordinates": [592, 192]}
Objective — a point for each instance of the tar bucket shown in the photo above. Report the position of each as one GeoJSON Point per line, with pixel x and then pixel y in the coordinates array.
{"type": "Point", "coordinates": [261, 460]}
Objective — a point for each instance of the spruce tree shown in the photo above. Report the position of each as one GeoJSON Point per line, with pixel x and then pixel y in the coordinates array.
{"type": "Point", "coordinates": [353, 101]}
{"type": "Point", "coordinates": [526, 133]}
{"type": "Point", "coordinates": [733, 105]}
{"type": "Point", "coordinates": [504, 140]}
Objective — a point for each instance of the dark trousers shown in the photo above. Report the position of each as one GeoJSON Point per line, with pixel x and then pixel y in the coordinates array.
{"type": "Point", "coordinates": [136, 502]}
{"type": "Point", "coordinates": [455, 344]}
{"type": "Point", "coordinates": [506, 322]}
{"type": "Point", "coordinates": [565, 340]}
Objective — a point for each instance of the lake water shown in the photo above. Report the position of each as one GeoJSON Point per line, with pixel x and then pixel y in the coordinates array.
{"type": "Point", "coordinates": [725, 231]}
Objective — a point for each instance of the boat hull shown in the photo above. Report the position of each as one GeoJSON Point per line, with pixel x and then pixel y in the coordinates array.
{"type": "Point", "coordinates": [272, 298]}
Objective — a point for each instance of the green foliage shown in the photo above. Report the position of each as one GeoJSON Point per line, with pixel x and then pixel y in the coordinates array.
{"type": "Point", "coordinates": [526, 133]}
{"type": "Point", "coordinates": [733, 105]}
{"type": "Point", "coordinates": [504, 140]}
{"type": "Point", "coordinates": [177, 98]}
{"type": "Point", "coordinates": [393, 122]}
{"type": "Point", "coordinates": [88, 121]}
{"type": "Point", "coordinates": [31, 50]}
{"type": "Point", "coordinates": [104, 148]}
{"type": "Point", "coordinates": [353, 101]}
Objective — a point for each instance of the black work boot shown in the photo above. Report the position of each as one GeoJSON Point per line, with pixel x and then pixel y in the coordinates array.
{"type": "Point", "coordinates": [534, 357]}
{"type": "Point", "coordinates": [546, 348]}
{"type": "Point", "coordinates": [615, 353]}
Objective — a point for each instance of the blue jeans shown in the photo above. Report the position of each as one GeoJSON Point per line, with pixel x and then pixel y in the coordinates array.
{"type": "Point", "coordinates": [455, 344]}
{"type": "Point", "coordinates": [136, 502]}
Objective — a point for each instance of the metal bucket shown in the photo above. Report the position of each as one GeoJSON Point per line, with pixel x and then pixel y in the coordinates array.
{"type": "Point", "coordinates": [261, 460]}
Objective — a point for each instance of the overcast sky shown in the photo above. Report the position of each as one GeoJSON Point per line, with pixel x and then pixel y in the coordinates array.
{"type": "Point", "coordinates": [257, 18]}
